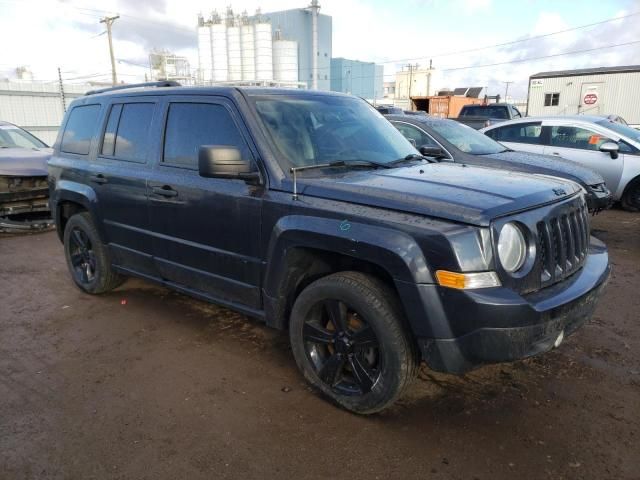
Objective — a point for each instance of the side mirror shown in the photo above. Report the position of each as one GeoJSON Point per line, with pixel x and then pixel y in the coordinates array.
{"type": "Point", "coordinates": [611, 148]}
{"type": "Point", "coordinates": [224, 161]}
{"type": "Point", "coordinates": [429, 151]}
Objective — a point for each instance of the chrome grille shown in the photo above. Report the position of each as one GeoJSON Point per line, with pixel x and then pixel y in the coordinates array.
{"type": "Point", "coordinates": [563, 243]}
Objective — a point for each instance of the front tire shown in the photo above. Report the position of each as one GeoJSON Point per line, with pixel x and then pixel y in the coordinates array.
{"type": "Point", "coordinates": [348, 340]}
{"type": "Point", "coordinates": [630, 201]}
{"type": "Point", "coordinates": [87, 257]}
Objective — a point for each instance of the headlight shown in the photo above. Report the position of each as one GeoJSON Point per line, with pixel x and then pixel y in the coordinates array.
{"type": "Point", "coordinates": [512, 248]}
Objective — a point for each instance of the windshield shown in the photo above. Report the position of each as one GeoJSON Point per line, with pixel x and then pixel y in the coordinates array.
{"type": "Point", "coordinates": [620, 129]}
{"type": "Point", "coordinates": [14, 137]}
{"type": "Point", "coordinates": [466, 138]}
{"type": "Point", "coordinates": [323, 129]}
{"type": "Point", "coordinates": [482, 111]}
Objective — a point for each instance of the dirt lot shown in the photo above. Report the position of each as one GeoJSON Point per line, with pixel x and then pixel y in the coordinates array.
{"type": "Point", "coordinates": [145, 383]}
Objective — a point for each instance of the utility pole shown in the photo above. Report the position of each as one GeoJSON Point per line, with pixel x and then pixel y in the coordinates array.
{"type": "Point", "coordinates": [64, 103]}
{"type": "Point", "coordinates": [411, 67]}
{"type": "Point", "coordinates": [506, 89]}
{"type": "Point", "coordinates": [108, 21]}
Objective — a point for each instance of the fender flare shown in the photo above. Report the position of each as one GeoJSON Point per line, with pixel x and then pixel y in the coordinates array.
{"type": "Point", "coordinates": [74, 192]}
{"type": "Point", "coordinates": [394, 251]}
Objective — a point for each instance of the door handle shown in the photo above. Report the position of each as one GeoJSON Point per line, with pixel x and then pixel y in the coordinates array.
{"type": "Point", "coordinates": [165, 191]}
{"type": "Point", "coordinates": [98, 178]}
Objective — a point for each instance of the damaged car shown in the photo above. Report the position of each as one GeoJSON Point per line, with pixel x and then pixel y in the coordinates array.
{"type": "Point", "coordinates": [23, 180]}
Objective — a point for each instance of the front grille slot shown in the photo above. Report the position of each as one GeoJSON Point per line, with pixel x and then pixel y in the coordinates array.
{"type": "Point", "coordinates": [563, 242]}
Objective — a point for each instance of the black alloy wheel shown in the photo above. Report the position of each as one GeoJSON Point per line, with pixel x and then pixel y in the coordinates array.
{"type": "Point", "coordinates": [82, 256]}
{"type": "Point", "coordinates": [343, 348]}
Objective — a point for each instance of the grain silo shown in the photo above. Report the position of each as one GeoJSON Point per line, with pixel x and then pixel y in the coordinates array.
{"type": "Point", "coordinates": [219, 49]}
{"type": "Point", "coordinates": [285, 59]}
{"type": "Point", "coordinates": [264, 50]}
{"type": "Point", "coordinates": [234, 48]}
{"type": "Point", "coordinates": [204, 51]}
{"type": "Point", "coordinates": [247, 42]}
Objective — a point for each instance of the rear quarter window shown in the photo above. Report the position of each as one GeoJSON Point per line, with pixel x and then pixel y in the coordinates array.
{"type": "Point", "coordinates": [79, 130]}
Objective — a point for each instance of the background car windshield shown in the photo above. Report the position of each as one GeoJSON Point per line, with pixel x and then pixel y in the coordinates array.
{"type": "Point", "coordinates": [14, 137]}
{"type": "Point", "coordinates": [489, 112]}
{"type": "Point", "coordinates": [466, 138]}
{"type": "Point", "coordinates": [620, 129]}
{"type": "Point", "coordinates": [324, 129]}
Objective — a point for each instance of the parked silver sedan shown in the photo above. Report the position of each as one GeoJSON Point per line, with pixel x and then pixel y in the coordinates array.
{"type": "Point", "coordinates": [608, 147]}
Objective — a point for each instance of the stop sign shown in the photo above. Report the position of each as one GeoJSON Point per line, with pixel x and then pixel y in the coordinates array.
{"type": "Point", "coordinates": [590, 99]}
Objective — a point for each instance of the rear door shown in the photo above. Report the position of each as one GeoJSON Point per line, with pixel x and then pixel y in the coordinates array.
{"type": "Point", "coordinates": [521, 136]}
{"type": "Point", "coordinates": [119, 177]}
{"type": "Point", "coordinates": [582, 145]}
{"type": "Point", "coordinates": [206, 230]}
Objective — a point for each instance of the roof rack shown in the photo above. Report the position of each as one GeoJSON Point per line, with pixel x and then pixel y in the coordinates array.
{"type": "Point", "coordinates": [165, 83]}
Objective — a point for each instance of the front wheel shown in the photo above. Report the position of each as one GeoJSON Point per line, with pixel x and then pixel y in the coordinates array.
{"type": "Point", "coordinates": [631, 199]}
{"type": "Point", "coordinates": [348, 340]}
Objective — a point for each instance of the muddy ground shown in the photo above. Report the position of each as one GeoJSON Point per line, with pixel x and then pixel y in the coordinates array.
{"type": "Point", "coordinates": [146, 383]}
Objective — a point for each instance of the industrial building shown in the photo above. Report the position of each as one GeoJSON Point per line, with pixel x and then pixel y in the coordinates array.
{"type": "Point", "coordinates": [363, 79]}
{"type": "Point", "coordinates": [167, 66]}
{"type": "Point", "coordinates": [590, 91]}
{"type": "Point", "coordinates": [414, 83]}
{"type": "Point", "coordinates": [272, 49]}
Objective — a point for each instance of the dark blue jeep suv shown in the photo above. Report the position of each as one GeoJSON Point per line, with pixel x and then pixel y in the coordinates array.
{"type": "Point", "coordinates": [310, 211]}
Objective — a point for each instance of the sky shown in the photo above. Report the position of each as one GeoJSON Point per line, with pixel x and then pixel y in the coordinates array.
{"type": "Point", "coordinates": [46, 34]}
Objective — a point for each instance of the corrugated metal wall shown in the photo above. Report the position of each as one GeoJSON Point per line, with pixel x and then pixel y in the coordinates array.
{"type": "Point", "coordinates": [36, 107]}
{"type": "Point", "coordinates": [619, 93]}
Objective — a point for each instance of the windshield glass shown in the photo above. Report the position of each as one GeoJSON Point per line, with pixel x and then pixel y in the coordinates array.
{"type": "Point", "coordinates": [466, 138]}
{"type": "Point", "coordinates": [482, 111]}
{"type": "Point", "coordinates": [323, 129]}
{"type": "Point", "coordinates": [620, 129]}
{"type": "Point", "coordinates": [14, 137]}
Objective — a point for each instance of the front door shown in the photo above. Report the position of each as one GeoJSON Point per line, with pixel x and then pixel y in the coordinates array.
{"type": "Point", "coordinates": [206, 230]}
{"type": "Point", "coordinates": [591, 98]}
{"type": "Point", "coordinates": [582, 145]}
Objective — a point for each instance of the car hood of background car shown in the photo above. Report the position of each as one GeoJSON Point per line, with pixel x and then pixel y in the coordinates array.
{"type": "Point", "coordinates": [544, 164]}
{"type": "Point", "coordinates": [461, 193]}
{"type": "Point", "coordinates": [24, 162]}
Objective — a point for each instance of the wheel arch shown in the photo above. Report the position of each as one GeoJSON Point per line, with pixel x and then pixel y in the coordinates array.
{"type": "Point", "coordinates": [302, 250]}
{"type": "Point", "coordinates": [70, 198]}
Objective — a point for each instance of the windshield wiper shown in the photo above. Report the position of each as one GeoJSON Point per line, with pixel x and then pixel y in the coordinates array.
{"type": "Point", "coordinates": [409, 158]}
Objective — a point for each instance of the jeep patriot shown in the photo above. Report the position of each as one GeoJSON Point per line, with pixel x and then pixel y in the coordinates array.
{"type": "Point", "coordinates": [310, 211]}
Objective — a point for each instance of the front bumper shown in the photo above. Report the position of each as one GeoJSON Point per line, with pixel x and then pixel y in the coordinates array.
{"type": "Point", "coordinates": [598, 198]}
{"type": "Point", "coordinates": [511, 327]}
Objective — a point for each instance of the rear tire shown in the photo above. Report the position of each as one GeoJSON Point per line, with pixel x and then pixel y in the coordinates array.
{"type": "Point", "coordinates": [87, 257]}
{"type": "Point", "coordinates": [349, 341]}
{"type": "Point", "coordinates": [630, 200]}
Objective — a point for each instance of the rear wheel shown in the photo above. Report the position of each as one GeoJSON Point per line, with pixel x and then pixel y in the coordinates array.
{"type": "Point", "coordinates": [87, 257]}
{"type": "Point", "coordinates": [631, 199]}
{"type": "Point", "coordinates": [347, 338]}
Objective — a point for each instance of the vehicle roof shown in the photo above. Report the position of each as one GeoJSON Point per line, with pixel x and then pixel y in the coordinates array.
{"type": "Point", "coordinates": [571, 118]}
{"type": "Point", "coordinates": [218, 90]}
{"type": "Point", "coordinates": [417, 118]}
{"type": "Point", "coordinates": [2, 122]}
{"type": "Point", "coordinates": [587, 71]}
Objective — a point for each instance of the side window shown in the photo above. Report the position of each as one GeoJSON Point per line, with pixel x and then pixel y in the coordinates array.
{"type": "Point", "coordinates": [132, 135]}
{"type": "Point", "coordinates": [551, 99]}
{"type": "Point", "coordinates": [518, 133]}
{"type": "Point", "coordinates": [79, 130]}
{"type": "Point", "coordinates": [576, 137]}
{"type": "Point", "coordinates": [191, 125]}
{"type": "Point", "coordinates": [109, 140]}
{"type": "Point", "coordinates": [412, 133]}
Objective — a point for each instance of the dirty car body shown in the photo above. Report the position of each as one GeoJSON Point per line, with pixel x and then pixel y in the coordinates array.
{"type": "Point", "coordinates": [214, 215]}
{"type": "Point", "coordinates": [461, 144]}
{"type": "Point", "coordinates": [24, 190]}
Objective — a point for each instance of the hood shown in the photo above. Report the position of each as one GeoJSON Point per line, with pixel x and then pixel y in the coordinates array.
{"type": "Point", "coordinates": [450, 191]}
{"type": "Point", "coordinates": [24, 162]}
{"type": "Point", "coordinates": [543, 164]}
